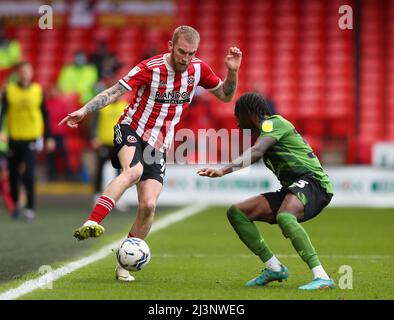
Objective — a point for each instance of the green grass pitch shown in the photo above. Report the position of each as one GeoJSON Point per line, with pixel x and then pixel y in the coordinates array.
{"type": "Point", "coordinates": [201, 257]}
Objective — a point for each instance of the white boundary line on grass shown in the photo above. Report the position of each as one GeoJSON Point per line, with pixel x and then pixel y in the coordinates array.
{"type": "Point", "coordinates": [284, 256]}
{"type": "Point", "coordinates": [32, 285]}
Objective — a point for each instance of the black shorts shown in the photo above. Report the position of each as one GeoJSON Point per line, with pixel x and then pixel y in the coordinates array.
{"type": "Point", "coordinates": [153, 161]}
{"type": "Point", "coordinates": [308, 190]}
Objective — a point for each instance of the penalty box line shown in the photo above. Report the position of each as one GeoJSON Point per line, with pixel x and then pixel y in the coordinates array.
{"type": "Point", "coordinates": [56, 274]}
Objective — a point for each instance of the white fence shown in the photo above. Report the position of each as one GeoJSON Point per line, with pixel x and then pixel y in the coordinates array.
{"type": "Point", "coordinates": [360, 186]}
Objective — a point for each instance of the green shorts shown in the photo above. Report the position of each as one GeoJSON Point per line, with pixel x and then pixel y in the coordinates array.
{"type": "Point", "coordinates": [308, 190]}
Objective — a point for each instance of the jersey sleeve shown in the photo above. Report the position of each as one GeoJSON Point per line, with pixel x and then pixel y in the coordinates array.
{"type": "Point", "coordinates": [275, 127]}
{"type": "Point", "coordinates": [136, 77]}
{"type": "Point", "coordinates": [209, 80]}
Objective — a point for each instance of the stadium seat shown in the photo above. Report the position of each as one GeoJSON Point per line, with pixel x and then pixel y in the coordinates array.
{"type": "Point", "coordinates": [364, 150]}
{"type": "Point", "coordinates": [340, 127]}
{"type": "Point", "coordinates": [309, 71]}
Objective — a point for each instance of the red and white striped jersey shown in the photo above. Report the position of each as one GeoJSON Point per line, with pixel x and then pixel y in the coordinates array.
{"type": "Point", "coordinates": [162, 96]}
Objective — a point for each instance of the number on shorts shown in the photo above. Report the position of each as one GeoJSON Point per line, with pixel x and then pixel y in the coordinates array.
{"type": "Point", "coordinates": [301, 183]}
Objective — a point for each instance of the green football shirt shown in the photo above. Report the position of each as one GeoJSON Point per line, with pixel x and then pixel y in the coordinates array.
{"type": "Point", "coordinates": [291, 157]}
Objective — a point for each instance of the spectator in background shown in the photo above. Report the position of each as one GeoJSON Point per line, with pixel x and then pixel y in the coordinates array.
{"type": "Point", "coordinates": [4, 178]}
{"type": "Point", "coordinates": [10, 53]}
{"type": "Point", "coordinates": [99, 56]}
{"type": "Point", "coordinates": [104, 60]}
{"type": "Point", "coordinates": [110, 65]}
{"type": "Point", "coordinates": [82, 13]}
{"type": "Point", "coordinates": [24, 104]}
{"type": "Point", "coordinates": [80, 76]}
{"type": "Point", "coordinates": [152, 38]}
{"type": "Point", "coordinates": [57, 105]}
{"type": "Point", "coordinates": [102, 131]}
{"type": "Point", "coordinates": [149, 51]}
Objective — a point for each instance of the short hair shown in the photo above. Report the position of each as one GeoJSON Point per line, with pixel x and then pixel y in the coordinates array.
{"type": "Point", "coordinates": [252, 103]}
{"type": "Point", "coordinates": [21, 64]}
{"type": "Point", "coordinates": [190, 34]}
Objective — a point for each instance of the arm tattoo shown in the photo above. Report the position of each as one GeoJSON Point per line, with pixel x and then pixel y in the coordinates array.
{"type": "Point", "coordinates": [229, 87]}
{"type": "Point", "coordinates": [105, 98]}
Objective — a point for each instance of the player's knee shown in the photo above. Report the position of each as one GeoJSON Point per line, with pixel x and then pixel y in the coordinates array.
{"type": "Point", "coordinates": [232, 212]}
{"type": "Point", "coordinates": [285, 220]}
{"type": "Point", "coordinates": [132, 175]}
{"type": "Point", "coordinates": [236, 216]}
{"type": "Point", "coordinates": [147, 207]}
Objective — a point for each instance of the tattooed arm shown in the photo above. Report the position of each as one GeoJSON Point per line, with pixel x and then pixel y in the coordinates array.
{"type": "Point", "coordinates": [227, 89]}
{"type": "Point", "coordinates": [105, 98]}
{"type": "Point", "coordinates": [98, 102]}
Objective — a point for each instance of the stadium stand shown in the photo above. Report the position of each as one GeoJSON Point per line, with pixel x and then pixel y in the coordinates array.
{"type": "Point", "coordinates": [309, 72]}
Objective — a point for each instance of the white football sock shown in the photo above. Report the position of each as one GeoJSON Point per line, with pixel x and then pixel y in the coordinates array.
{"type": "Point", "coordinates": [90, 222]}
{"type": "Point", "coordinates": [319, 272]}
{"type": "Point", "coordinates": [274, 264]}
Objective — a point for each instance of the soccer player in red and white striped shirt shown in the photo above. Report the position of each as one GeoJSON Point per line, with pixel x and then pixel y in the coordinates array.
{"type": "Point", "coordinates": [164, 86]}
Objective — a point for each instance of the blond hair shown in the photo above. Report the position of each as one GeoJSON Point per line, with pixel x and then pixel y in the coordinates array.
{"type": "Point", "coordinates": [189, 34]}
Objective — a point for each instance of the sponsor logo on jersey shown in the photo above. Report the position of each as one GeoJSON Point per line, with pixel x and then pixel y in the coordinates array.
{"type": "Point", "coordinates": [267, 126]}
{"type": "Point", "coordinates": [131, 139]}
{"type": "Point", "coordinates": [163, 83]}
{"type": "Point", "coordinates": [173, 97]}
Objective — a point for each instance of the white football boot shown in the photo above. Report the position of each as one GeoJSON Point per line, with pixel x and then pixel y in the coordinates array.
{"type": "Point", "coordinates": [122, 274]}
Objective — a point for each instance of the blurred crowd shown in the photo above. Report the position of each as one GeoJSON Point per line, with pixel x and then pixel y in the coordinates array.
{"type": "Point", "coordinates": [30, 116]}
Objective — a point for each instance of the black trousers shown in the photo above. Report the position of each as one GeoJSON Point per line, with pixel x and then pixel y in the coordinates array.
{"type": "Point", "coordinates": [61, 150]}
{"type": "Point", "coordinates": [22, 163]}
{"type": "Point", "coordinates": [104, 153]}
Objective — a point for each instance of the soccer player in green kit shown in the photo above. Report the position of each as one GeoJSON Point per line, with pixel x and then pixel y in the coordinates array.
{"type": "Point", "coordinates": [306, 190]}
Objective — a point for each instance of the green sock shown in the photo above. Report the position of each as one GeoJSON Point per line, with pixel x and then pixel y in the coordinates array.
{"type": "Point", "coordinates": [248, 233]}
{"type": "Point", "coordinates": [299, 238]}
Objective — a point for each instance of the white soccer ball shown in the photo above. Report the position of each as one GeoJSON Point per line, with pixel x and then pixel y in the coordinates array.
{"type": "Point", "coordinates": [133, 254]}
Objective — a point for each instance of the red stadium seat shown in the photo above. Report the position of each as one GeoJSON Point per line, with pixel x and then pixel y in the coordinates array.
{"type": "Point", "coordinates": [364, 150]}
{"type": "Point", "coordinates": [292, 49]}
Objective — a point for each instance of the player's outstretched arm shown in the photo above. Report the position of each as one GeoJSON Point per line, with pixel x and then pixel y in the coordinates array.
{"type": "Point", "coordinates": [98, 102]}
{"type": "Point", "coordinates": [233, 62]}
{"type": "Point", "coordinates": [249, 157]}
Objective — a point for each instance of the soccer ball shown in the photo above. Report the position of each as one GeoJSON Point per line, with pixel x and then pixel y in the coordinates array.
{"type": "Point", "coordinates": [133, 254]}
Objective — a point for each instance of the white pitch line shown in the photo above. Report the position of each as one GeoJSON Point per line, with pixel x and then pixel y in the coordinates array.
{"type": "Point", "coordinates": [54, 275]}
{"type": "Point", "coordinates": [284, 256]}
